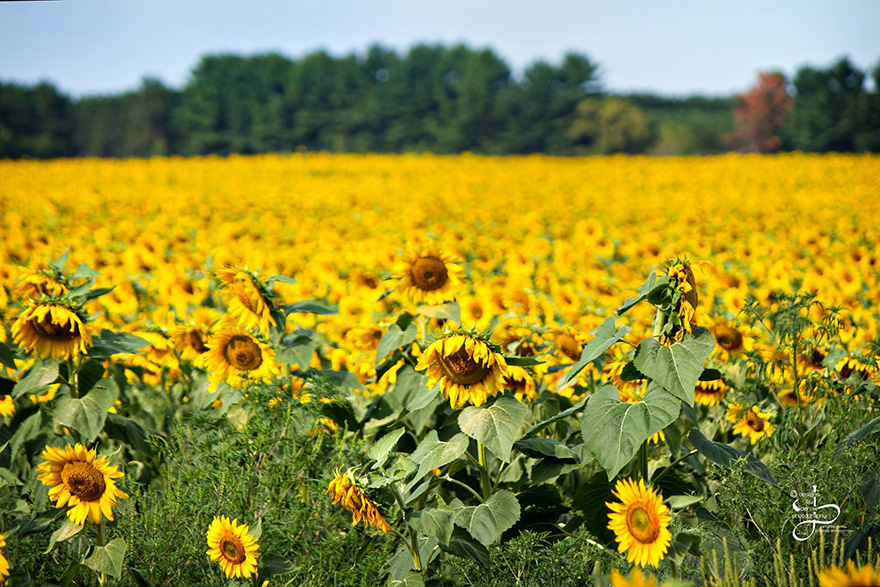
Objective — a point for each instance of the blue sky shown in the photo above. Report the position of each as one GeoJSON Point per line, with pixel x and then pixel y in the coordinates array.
{"type": "Point", "coordinates": [671, 47]}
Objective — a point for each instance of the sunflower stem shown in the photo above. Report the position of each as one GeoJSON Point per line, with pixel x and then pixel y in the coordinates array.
{"type": "Point", "coordinates": [659, 322]}
{"type": "Point", "coordinates": [72, 377]}
{"type": "Point", "coordinates": [484, 471]}
{"type": "Point", "coordinates": [459, 483]}
{"type": "Point", "coordinates": [102, 539]}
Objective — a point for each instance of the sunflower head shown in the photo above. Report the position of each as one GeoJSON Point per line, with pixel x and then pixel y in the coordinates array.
{"type": "Point", "coordinates": [520, 382]}
{"type": "Point", "coordinates": [349, 495]}
{"type": "Point", "coordinates": [683, 286]}
{"type": "Point", "coordinates": [233, 547]}
{"type": "Point", "coordinates": [853, 576]}
{"type": "Point", "coordinates": [467, 369]}
{"type": "Point", "coordinates": [709, 393]}
{"type": "Point", "coordinates": [749, 422]}
{"type": "Point", "coordinates": [429, 274]}
{"type": "Point", "coordinates": [640, 523]}
{"type": "Point", "coordinates": [78, 477]}
{"type": "Point", "coordinates": [246, 298]}
{"type": "Point", "coordinates": [235, 356]}
{"type": "Point", "coordinates": [41, 282]}
{"type": "Point", "coordinates": [52, 327]}
{"type": "Point", "coordinates": [730, 340]}
{"type": "Point", "coordinates": [636, 579]}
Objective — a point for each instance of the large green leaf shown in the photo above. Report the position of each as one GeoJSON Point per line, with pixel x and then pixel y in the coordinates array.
{"type": "Point", "coordinates": [436, 521]}
{"type": "Point", "coordinates": [67, 530]}
{"type": "Point", "coordinates": [614, 430]}
{"type": "Point", "coordinates": [399, 334]}
{"type": "Point", "coordinates": [466, 547]}
{"type": "Point", "coordinates": [604, 338]}
{"type": "Point", "coordinates": [383, 447]}
{"type": "Point", "coordinates": [496, 426]}
{"type": "Point", "coordinates": [87, 414]}
{"type": "Point", "coordinates": [726, 456]}
{"type": "Point", "coordinates": [432, 453]}
{"type": "Point", "coordinates": [41, 374]}
{"type": "Point", "coordinates": [538, 448]}
{"type": "Point", "coordinates": [108, 559]}
{"type": "Point", "coordinates": [654, 283]}
{"type": "Point", "coordinates": [488, 521]}
{"type": "Point", "coordinates": [108, 343]}
{"type": "Point", "coordinates": [861, 433]}
{"type": "Point", "coordinates": [401, 563]}
{"type": "Point", "coordinates": [678, 367]}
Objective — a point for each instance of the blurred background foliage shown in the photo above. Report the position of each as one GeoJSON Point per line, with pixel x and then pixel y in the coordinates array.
{"type": "Point", "coordinates": [435, 99]}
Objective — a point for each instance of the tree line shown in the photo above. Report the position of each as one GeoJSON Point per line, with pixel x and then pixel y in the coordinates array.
{"type": "Point", "coordinates": [434, 98]}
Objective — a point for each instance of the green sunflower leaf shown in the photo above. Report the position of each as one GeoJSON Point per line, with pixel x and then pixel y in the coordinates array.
{"type": "Point", "coordinates": [603, 339]}
{"type": "Point", "coordinates": [726, 456]}
{"type": "Point", "coordinates": [108, 559]}
{"type": "Point", "coordinates": [87, 414]}
{"type": "Point", "coordinates": [41, 374]}
{"type": "Point", "coordinates": [496, 426]}
{"type": "Point", "coordinates": [678, 367]}
{"type": "Point", "coordinates": [488, 521]}
{"type": "Point", "coordinates": [654, 283]}
{"type": "Point", "coordinates": [432, 453]}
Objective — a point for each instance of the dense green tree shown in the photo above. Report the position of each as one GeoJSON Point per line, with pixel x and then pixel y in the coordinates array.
{"type": "Point", "coordinates": [34, 122]}
{"type": "Point", "coordinates": [609, 125]}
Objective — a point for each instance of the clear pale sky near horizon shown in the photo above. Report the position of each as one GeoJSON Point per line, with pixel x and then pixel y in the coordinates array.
{"type": "Point", "coordinates": [668, 47]}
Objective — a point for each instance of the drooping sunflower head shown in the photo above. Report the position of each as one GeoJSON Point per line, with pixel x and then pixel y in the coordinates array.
{"type": "Point", "coordinates": [246, 299]}
{"type": "Point", "coordinates": [52, 327]}
{"type": "Point", "coordinates": [429, 274]}
{"type": "Point", "coordinates": [235, 356]}
{"type": "Point", "coordinates": [349, 495]}
{"type": "Point", "coordinates": [42, 282]}
{"type": "Point", "coordinates": [640, 522]}
{"type": "Point", "coordinates": [78, 477]}
{"type": "Point", "coordinates": [467, 369]}
{"type": "Point", "coordinates": [233, 546]}
{"type": "Point", "coordinates": [684, 289]}
{"type": "Point", "coordinates": [709, 393]}
{"type": "Point", "coordinates": [853, 576]}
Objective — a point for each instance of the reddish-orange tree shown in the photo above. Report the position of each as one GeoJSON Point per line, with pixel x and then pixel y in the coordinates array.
{"type": "Point", "coordinates": [760, 114]}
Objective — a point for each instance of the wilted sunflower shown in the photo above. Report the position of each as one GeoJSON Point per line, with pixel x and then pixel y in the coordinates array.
{"type": "Point", "coordinates": [864, 576]}
{"type": "Point", "coordinates": [246, 299]}
{"type": "Point", "coordinates": [640, 523]}
{"type": "Point", "coordinates": [350, 496]}
{"type": "Point", "coordinates": [636, 579]}
{"type": "Point", "coordinates": [79, 478]}
{"type": "Point", "coordinates": [709, 393]}
{"type": "Point", "coordinates": [429, 275]}
{"type": "Point", "coordinates": [749, 423]}
{"type": "Point", "coordinates": [467, 369]}
{"type": "Point", "coordinates": [52, 328]}
{"type": "Point", "coordinates": [235, 355]}
{"type": "Point", "coordinates": [233, 547]}
{"type": "Point", "coordinates": [4, 562]}
{"type": "Point", "coordinates": [681, 278]}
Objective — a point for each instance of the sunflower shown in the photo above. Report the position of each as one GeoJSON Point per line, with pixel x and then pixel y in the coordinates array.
{"type": "Point", "coordinates": [849, 366]}
{"type": "Point", "coordinates": [749, 423]}
{"type": "Point", "coordinates": [233, 547]}
{"type": "Point", "coordinates": [52, 328]}
{"type": "Point", "coordinates": [709, 393]}
{"type": "Point", "coordinates": [429, 274]}
{"type": "Point", "coordinates": [246, 299]}
{"type": "Point", "coordinates": [190, 337]}
{"type": "Point", "coordinates": [636, 579]}
{"type": "Point", "coordinates": [235, 355]}
{"type": "Point", "coordinates": [347, 494]}
{"type": "Point", "coordinates": [730, 341]}
{"type": "Point", "coordinates": [79, 478]}
{"type": "Point", "coordinates": [864, 576]}
{"type": "Point", "coordinates": [465, 367]}
{"type": "Point", "coordinates": [681, 278]}
{"type": "Point", "coordinates": [568, 344]}
{"type": "Point", "coordinates": [7, 405]}
{"type": "Point", "coordinates": [520, 382]}
{"type": "Point", "coordinates": [4, 563]}
{"type": "Point", "coordinates": [640, 522]}
{"type": "Point", "coordinates": [33, 284]}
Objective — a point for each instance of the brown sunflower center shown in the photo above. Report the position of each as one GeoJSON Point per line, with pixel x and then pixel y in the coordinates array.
{"type": "Point", "coordinates": [196, 343]}
{"type": "Point", "coordinates": [429, 273]}
{"type": "Point", "coordinates": [754, 422]}
{"type": "Point", "coordinates": [709, 388]}
{"type": "Point", "coordinates": [514, 384]}
{"type": "Point", "coordinates": [643, 524]}
{"type": "Point", "coordinates": [84, 480]}
{"type": "Point", "coordinates": [45, 328]}
{"type": "Point", "coordinates": [232, 549]}
{"type": "Point", "coordinates": [243, 353]}
{"type": "Point", "coordinates": [569, 346]}
{"type": "Point", "coordinates": [461, 368]}
{"type": "Point", "coordinates": [729, 338]}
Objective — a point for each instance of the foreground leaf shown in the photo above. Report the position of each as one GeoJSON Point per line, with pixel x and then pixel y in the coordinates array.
{"type": "Point", "coordinates": [726, 456]}
{"type": "Point", "coordinates": [496, 426]}
{"type": "Point", "coordinates": [678, 367]}
{"type": "Point", "coordinates": [108, 559]}
{"type": "Point", "coordinates": [488, 521]}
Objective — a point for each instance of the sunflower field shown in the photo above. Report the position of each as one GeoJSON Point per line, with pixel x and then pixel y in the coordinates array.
{"type": "Point", "coordinates": [318, 369]}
